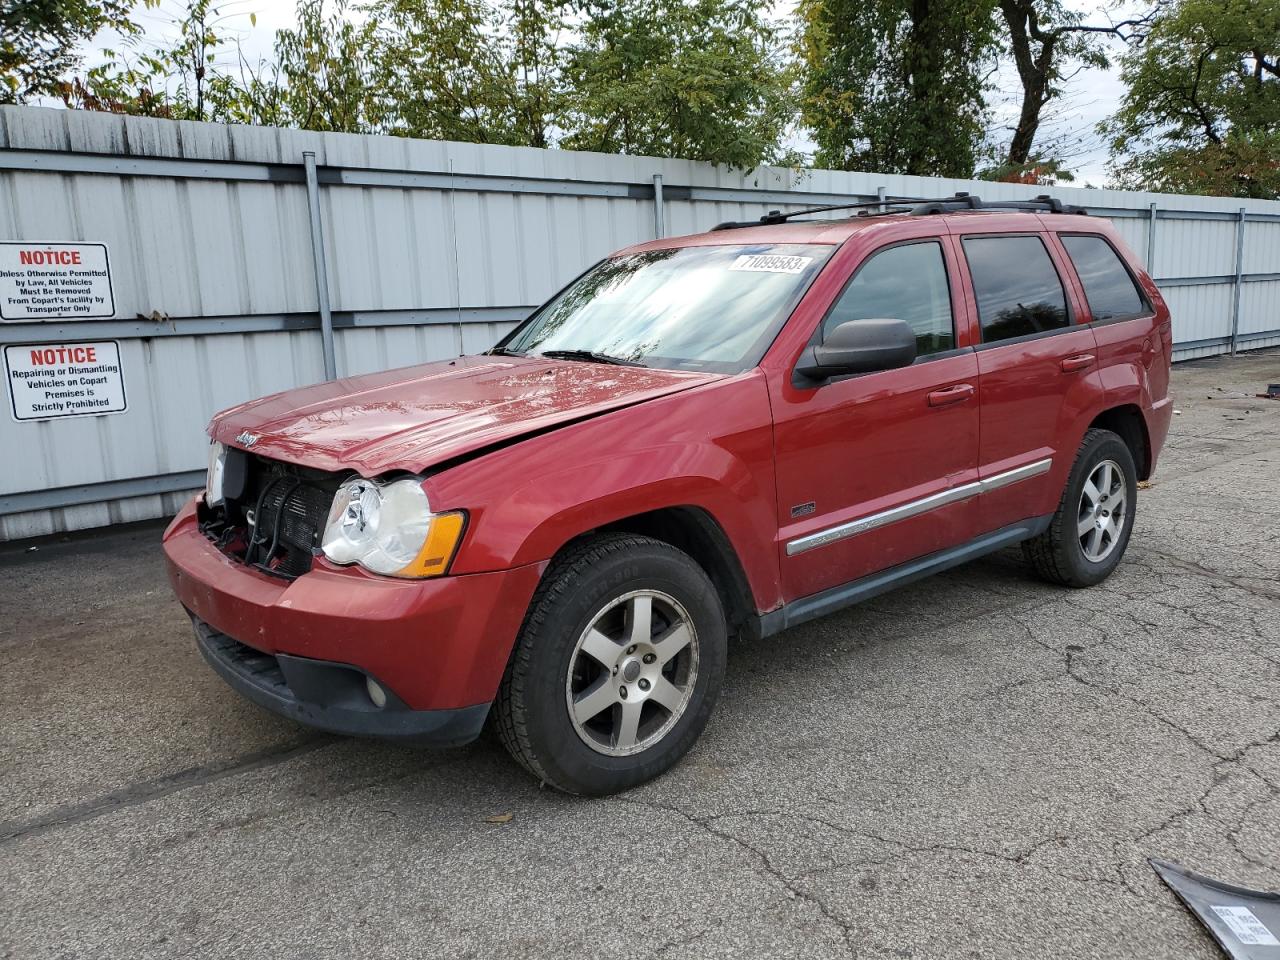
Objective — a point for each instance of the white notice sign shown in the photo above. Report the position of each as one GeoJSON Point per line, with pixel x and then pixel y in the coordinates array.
{"type": "Point", "coordinates": [54, 281]}
{"type": "Point", "coordinates": [51, 380]}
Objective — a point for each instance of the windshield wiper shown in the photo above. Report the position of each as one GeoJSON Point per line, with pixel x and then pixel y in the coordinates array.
{"type": "Point", "coordinates": [504, 352]}
{"type": "Point", "coordinates": [589, 355]}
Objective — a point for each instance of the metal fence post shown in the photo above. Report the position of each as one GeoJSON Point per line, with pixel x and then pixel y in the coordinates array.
{"type": "Point", "coordinates": [322, 271]}
{"type": "Point", "coordinates": [1151, 241]}
{"type": "Point", "coordinates": [1235, 297]}
{"type": "Point", "coordinates": [659, 221]}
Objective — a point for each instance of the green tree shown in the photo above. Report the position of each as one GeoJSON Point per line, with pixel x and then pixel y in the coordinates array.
{"type": "Point", "coordinates": [38, 41]}
{"type": "Point", "coordinates": [897, 86]}
{"type": "Point", "coordinates": [191, 58]}
{"type": "Point", "coordinates": [536, 28]}
{"type": "Point", "coordinates": [1202, 109]}
{"type": "Point", "coordinates": [690, 78]}
{"type": "Point", "coordinates": [1047, 41]}
{"type": "Point", "coordinates": [322, 75]}
{"type": "Point", "coordinates": [681, 78]}
{"type": "Point", "coordinates": [318, 78]}
{"type": "Point", "coordinates": [180, 80]}
{"type": "Point", "coordinates": [466, 69]}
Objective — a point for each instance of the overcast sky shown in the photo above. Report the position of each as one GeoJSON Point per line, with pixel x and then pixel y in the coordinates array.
{"type": "Point", "coordinates": [1091, 96]}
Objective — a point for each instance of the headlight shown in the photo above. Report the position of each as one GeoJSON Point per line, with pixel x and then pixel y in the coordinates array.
{"type": "Point", "coordinates": [214, 476]}
{"type": "Point", "coordinates": [389, 528]}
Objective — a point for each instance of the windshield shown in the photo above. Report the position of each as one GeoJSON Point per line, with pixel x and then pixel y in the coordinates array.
{"type": "Point", "coordinates": [694, 308]}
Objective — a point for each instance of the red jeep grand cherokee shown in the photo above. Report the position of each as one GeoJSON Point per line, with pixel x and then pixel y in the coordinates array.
{"type": "Point", "coordinates": [717, 435]}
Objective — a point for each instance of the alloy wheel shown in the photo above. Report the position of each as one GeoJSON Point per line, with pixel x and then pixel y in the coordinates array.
{"type": "Point", "coordinates": [1102, 512]}
{"type": "Point", "coordinates": [632, 673]}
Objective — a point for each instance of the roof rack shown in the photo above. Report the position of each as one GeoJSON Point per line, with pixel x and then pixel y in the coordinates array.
{"type": "Point", "coordinates": [916, 207]}
{"type": "Point", "coordinates": [777, 216]}
{"type": "Point", "coordinates": [967, 201]}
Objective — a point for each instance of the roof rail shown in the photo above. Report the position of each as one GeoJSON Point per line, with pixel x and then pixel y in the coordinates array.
{"type": "Point", "coordinates": [916, 207]}
{"type": "Point", "coordinates": [967, 201]}
{"type": "Point", "coordinates": [777, 216]}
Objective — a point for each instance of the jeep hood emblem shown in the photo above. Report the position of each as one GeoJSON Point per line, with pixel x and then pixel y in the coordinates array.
{"type": "Point", "coordinates": [247, 439]}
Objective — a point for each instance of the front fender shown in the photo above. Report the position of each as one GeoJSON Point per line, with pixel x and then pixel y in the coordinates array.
{"type": "Point", "coordinates": [709, 447]}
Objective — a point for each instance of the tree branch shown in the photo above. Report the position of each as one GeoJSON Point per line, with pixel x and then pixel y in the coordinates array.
{"type": "Point", "coordinates": [1196, 105]}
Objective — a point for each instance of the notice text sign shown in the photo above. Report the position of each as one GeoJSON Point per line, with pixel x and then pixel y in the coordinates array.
{"type": "Point", "coordinates": [47, 381]}
{"type": "Point", "coordinates": [54, 281]}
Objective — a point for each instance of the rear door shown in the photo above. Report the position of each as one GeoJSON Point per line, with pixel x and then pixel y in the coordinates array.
{"type": "Point", "coordinates": [1037, 366]}
{"type": "Point", "coordinates": [1125, 322]}
{"type": "Point", "coordinates": [866, 464]}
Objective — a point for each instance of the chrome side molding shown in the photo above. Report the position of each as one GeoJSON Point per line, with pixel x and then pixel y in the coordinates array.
{"type": "Point", "coordinates": [916, 507]}
{"type": "Point", "coordinates": [999, 480]}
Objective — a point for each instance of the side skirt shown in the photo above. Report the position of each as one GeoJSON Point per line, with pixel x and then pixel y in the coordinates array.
{"type": "Point", "coordinates": [847, 594]}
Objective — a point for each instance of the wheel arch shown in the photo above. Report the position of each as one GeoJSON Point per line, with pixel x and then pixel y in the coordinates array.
{"type": "Point", "coordinates": [1127, 421]}
{"type": "Point", "coordinates": [696, 532]}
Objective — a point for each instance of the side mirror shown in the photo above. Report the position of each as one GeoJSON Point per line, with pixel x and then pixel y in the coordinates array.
{"type": "Point", "coordinates": [860, 346]}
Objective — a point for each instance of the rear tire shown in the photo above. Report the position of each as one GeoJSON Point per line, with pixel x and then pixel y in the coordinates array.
{"type": "Point", "coordinates": [1090, 529]}
{"type": "Point", "coordinates": [617, 667]}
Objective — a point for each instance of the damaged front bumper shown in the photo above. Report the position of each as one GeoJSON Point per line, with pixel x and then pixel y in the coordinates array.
{"type": "Point", "coordinates": [335, 697]}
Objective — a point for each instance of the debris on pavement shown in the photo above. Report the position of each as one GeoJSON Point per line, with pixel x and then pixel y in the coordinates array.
{"type": "Point", "coordinates": [499, 818]}
{"type": "Point", "coordinates": [1246, 923]}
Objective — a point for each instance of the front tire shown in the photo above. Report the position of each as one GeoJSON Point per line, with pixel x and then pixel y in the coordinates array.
{"type": "Point", "coordinates": [1090, 529]}
{"type": "Point", "coordinates": [617, 667]}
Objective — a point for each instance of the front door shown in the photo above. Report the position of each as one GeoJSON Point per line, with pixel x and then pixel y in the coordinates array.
{"type": "Point", "coordinates": [868, 466]}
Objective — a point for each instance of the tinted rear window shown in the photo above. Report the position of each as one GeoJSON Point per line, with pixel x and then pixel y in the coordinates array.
{"type": "Point", "coordinates": [1108, 286]}
{"type": "Point", "coordinates": [1017, 287]}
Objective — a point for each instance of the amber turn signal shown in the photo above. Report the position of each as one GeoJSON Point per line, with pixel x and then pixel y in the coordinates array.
{"type": "Point", "coordinates": [441, 544]}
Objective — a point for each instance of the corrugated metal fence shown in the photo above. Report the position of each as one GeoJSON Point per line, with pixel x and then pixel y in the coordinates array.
{"type": "Point", "coordinates": [430, 250]}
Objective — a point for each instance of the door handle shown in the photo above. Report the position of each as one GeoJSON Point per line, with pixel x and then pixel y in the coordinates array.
{"type": "Point", "coordinates": [1079, 362]}
{"type": "Point", "coordinates": [961, 391]}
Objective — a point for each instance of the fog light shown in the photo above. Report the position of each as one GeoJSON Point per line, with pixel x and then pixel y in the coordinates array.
{"type": "Point", "coordinates": [376, 693]}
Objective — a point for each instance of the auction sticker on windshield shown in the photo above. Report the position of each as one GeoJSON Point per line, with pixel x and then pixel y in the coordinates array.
{"type": "Point", "coordinates": [55, 281]}
{"type": "Point", "coordinates": [771, 263]}
{"type": "Point", "coordinates": [48, 381]}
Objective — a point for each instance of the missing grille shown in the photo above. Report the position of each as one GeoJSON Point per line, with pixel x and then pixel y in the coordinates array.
{"type": "Point", "coordinates": [277, 522]}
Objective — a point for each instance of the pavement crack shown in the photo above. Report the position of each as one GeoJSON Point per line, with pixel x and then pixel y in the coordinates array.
{"type": "Point", "coordinates": [674, 943]}
{"type": "Point", "coordinates": [1073, 672]}
{"type": "Point", "coordinates": [793, 891]}
{"type": "Point", "coordinates": [1245, 584]}
{"type": "Point", "coordinates": [139, 793]}
{"type": "Point", "coordinates": [1233, 835]}
{"type": "Point", "coordinates": [1022, 859]}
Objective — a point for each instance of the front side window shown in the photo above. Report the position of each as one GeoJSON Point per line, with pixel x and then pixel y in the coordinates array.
{"type": "Point", "coordinates": [901, 283]}
{"type": "Point", "coordinates": [711, 308]}
{"type": "Point", "coordinates": [1108, 286]}
{"type": "Point", "coordinates": [1017, 288]}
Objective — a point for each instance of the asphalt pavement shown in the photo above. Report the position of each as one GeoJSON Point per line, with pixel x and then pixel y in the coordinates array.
{"type": "Point", "coordinates": [978, 765]}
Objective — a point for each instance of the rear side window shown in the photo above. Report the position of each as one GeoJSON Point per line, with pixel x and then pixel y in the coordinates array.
{"type": "Point", "coordinates": [1018, 289]}
{"type": "Point", "coordinates": [1108, 286]}
{"type": "Point", "coordinates": [901, 283]}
